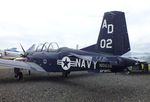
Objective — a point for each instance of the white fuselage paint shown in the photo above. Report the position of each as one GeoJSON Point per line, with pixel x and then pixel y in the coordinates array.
{"type": "Point", "coordinates": [95, 65]}
{"type": "Point", "coordinates": [81, 63]}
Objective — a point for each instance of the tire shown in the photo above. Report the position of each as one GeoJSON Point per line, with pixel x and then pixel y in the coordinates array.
{"type": "Point", "coordinates": [65, 73]}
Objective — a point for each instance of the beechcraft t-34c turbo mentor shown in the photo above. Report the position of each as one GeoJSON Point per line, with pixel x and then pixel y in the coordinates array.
{"type": "Point", "coordinates": [112, 42]}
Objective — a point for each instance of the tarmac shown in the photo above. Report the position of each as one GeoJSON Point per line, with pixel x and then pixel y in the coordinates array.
{"type": "Point", "coordinates": [78, 87]}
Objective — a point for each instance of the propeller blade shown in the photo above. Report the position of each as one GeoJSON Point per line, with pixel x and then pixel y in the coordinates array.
{"type": "Point", "coordinates": [22, 49]}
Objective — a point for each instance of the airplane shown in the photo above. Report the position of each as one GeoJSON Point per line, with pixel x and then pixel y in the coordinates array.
{"type": "Point", "coordinates": [112, 42]}
{"type": "Point", "coordinates": [11, 53]}
{"type": "Point", "coordinates": [143, 58]}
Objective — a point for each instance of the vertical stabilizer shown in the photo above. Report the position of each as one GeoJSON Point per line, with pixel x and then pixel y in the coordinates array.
{"type": "Point", "coordinates": [113, 35]}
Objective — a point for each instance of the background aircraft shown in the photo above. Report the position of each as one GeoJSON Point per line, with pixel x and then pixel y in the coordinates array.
{"type": "Point", "coordinates": [112, 42]}
{"type": "Point", "coordinates": [141, 56]}
{"type": "Point", "coordinates": [11, 53]}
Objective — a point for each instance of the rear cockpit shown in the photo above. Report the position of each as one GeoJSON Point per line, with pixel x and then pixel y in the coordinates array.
{"type": "Point", "coordinates": [48, 47]}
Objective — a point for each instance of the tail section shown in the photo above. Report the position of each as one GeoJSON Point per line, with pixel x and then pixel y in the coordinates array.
{"type": "Point", "coordinates": [113, 36]}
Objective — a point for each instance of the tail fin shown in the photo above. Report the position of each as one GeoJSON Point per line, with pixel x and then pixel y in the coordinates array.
{"type": "Point", "coordinates": [113, 36]}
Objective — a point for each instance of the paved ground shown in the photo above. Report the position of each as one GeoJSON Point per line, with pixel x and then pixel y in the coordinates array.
{"type": "Point", "coordinates": [79, 87]}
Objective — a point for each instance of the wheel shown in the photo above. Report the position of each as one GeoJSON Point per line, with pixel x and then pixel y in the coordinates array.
{"type": "Point", "coordinates": [16, 75]}
{"type": "Point", "coordinates": [65, 73]}
{"type": "Point", "coordinates": [127, 72]}
{"type": "Point", "coordinates": [16, 72]}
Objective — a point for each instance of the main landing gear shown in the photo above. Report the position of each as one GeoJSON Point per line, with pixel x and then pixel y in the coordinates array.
{"type": "Point", "coordinates": [18, 74]}
{"type": "Point", "coordinates": [65, 73]}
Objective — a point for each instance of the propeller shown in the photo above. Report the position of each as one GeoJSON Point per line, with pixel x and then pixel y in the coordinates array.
{"type": "Point", "coordinates": [24, 52]}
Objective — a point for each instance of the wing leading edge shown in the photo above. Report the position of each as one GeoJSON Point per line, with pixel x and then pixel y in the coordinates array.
{"type": "Point", "coordinates": [10, 64]}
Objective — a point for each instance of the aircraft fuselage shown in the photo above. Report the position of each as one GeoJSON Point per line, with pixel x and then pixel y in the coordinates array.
{"type": "Point", "coordinates": [65, 59]}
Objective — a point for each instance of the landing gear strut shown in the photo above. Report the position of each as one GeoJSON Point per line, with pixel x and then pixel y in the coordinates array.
{"type": "Point", "coordinates": [29, 72]}
{"type": "Point", "coordinates": [18, 74]}
{"type": "Point", "coordinates": [65, 73]}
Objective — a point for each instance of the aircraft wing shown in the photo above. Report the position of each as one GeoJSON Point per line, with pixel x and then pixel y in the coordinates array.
{"type": "Point", "coordinates": [10, 64]}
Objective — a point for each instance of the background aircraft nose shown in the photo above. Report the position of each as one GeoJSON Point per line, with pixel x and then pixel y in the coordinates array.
{"type": "Point", "coordinates": [131, 62]}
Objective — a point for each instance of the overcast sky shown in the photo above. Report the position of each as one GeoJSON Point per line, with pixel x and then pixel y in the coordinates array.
{"type": "Point", "coordinates": [69, 22]}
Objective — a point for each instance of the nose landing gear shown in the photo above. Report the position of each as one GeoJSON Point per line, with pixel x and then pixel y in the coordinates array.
{"type": "Point", "coordinates": [65, 73]}
{"type": "Point", "coordinates": [18, 74]}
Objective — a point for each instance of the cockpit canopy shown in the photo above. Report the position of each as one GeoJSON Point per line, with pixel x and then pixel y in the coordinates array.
{"type": "Point", "coordinates": [53, 46]}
